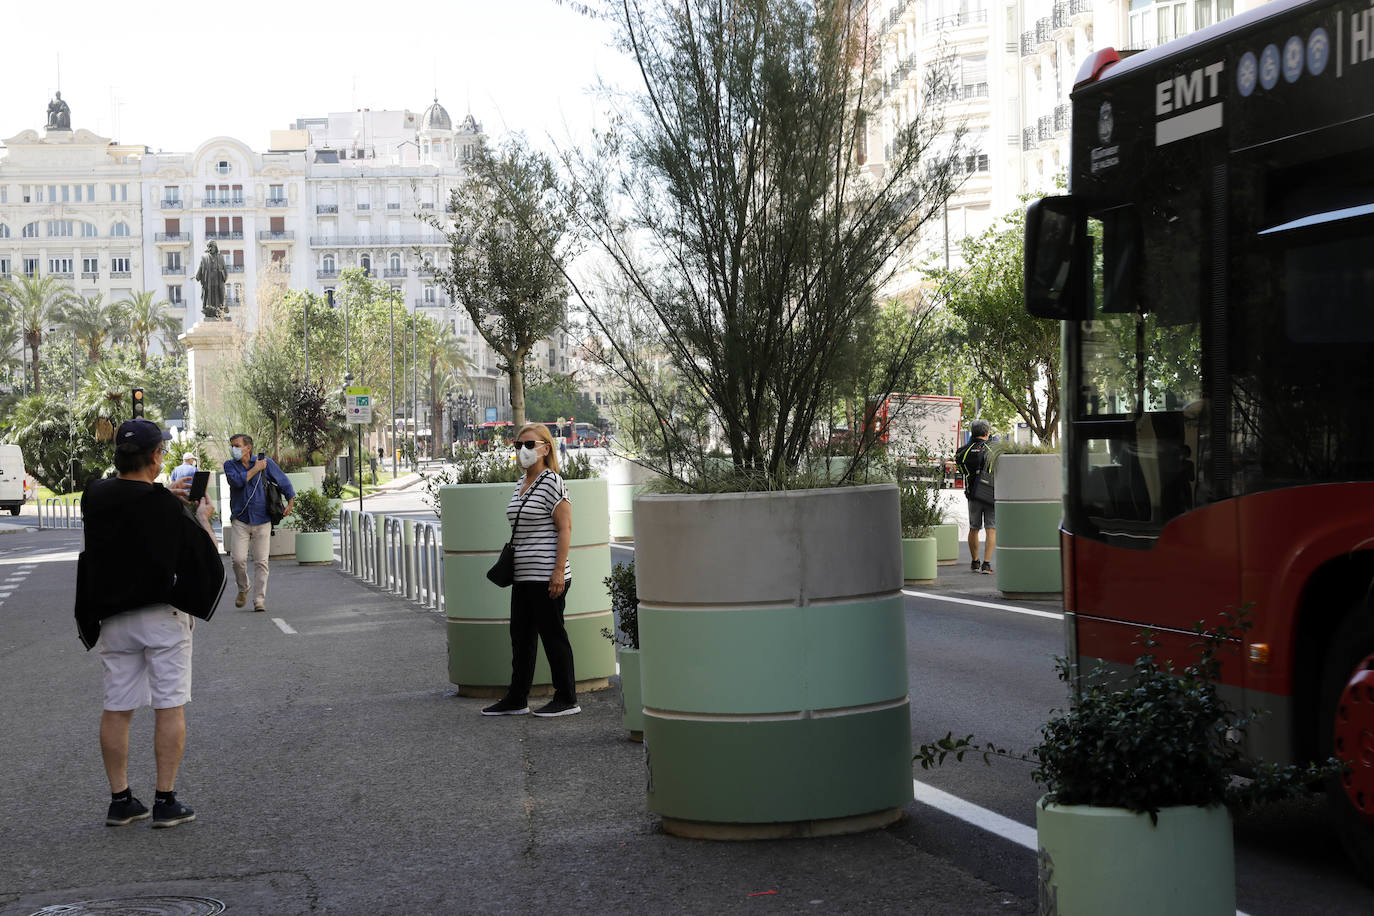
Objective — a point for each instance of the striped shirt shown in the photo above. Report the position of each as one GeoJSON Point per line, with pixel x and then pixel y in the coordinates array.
{"type": "Point", "coordinates": [536, 537]}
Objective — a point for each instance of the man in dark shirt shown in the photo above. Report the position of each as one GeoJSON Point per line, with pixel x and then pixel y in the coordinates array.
{"type": "Point", "coordinates": [146, 565]}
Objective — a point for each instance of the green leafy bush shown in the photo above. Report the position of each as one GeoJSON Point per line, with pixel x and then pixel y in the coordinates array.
{"type": "Point", "coordinates": [578, 467]}
{"type": "Point", "coordinates": [313, 511]}
{"type": "Point", "coordinates": [624, 605]}
{"type": "Point", "coordinates": [332, 486]}
{"type": "Point", "coordinates": [921, 510]}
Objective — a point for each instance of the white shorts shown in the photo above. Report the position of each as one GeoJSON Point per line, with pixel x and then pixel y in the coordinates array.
{"type": "Point", "coordinates": [147, 658]}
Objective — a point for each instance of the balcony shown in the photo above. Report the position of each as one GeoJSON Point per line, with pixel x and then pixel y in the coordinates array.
{"type": "Point", "coordinates": [955, 21]}
{"type": "Point", "coordinates": [424, 271]}
{"type": "Point", "coordinates": [268, 235]}
{"type": "Point", "coordinates": [120, 275]}
{"type": "Point", "coordinates": [427, 205]}
{"type": "Point", "coordinates": [63, 275]}
{"type": "Point", "coordinates": [437, 303]}
{"type": "Point", "coordinates": [224, 236]}
{"type": "Point", "coordinates": [364, 206]}
{"type": "Point", "coordinates": [276, 201]}
{"type": "Point", "coordinates": [326, 274]}
{"type": "Point", "coordinates": [1028, 138]}
{"type": "Point", "coordinates": [1063, 117]}
{"type": "Point", "coordinates": [376, 241]}
{"type": "Point", "coordinates": [326, 208]}
{"type": "Point", "coordinates": [1028, 44]}
{"type": "Point", "coordinates": [90, 275]}
{"type": "Point", "coordinates": [393, 206]}
{"type": "Point", "coordinates": [169, 270]}
{"type": "Point", "coordinates": [172, 238]}
{"type": "Point", "coordinates": [399, 272]}
{"type": "Point", "coordinates": [222, 202]}
{"type": "Point", "coordinates": [233, 268]}
{"type": "Point", "coordinates": [1080, 7]}
{"type": "Point", "coordinates": [168, 203]}
{"type": "Point", "coordinates": [1043, 30]}
{"type": "Point", "coordinates": [1044, 128]}
{"type": "Point", "coordinates": [232, 301]}
{"type": "Point", "coordinates": [1059, 19]}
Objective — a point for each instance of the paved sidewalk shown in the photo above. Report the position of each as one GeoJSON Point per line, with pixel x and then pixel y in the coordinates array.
{"type": "Point", "coordinates": [333, 772]}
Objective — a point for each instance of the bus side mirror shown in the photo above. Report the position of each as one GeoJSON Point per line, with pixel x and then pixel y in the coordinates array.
{"type": "Point", "coordinates": [1055, 259]}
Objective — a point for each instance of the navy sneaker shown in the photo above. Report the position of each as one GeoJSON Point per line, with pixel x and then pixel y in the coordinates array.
{"type": "Point", "coordinates": [126, 812]}
{"type": "Point", "coordinates": [507, 707]}
{"type": "Point", "coordinates": [171, 813]}
{"type": "Point", "coordinates": [987, 569]}
{"type": "Point", "coordinates": [974, 566]}
{"type": "Point", "coordinates": [558, 708]}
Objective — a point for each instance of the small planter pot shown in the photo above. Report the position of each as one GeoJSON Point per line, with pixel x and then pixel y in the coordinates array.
{"type": "Point", "coordinates": [946, 545]}
{"type": "Point", "coordinates": [315, 548]}
{"type": "Point", "coordinates": [1110, 860]}
{"type": "Point", "coordinates": [918, 561]}
{"type": "Point", "coordinates": [630, 693]}
{"type": "Point", "coordinates": [624, 481]}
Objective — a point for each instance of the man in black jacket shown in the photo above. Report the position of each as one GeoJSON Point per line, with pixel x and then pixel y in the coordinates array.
{"type": "Point", "coordinates": [148, 566]}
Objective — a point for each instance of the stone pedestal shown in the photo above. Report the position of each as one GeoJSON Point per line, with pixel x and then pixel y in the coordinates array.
{"type": "Point", "coordinates": [212, 349]}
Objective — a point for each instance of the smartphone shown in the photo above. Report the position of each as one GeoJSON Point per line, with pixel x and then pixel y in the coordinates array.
{"type": "Point", "coordinates": [198, 485]}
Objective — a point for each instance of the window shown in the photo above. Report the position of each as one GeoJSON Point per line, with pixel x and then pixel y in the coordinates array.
{"type": "Point", "coordinates": [365, 262]}
{"type": "Point", "coordinates": [27, 193]}
{"type": "Point", "coordinates": [119, 265]}
{"type": "Point", "coordinates": [329, 295]}
{"type": "Point", "coordinates": [171, 195]}
{"type": "Point", "coordinates": [223, 167]}
{"type": "Point", "coordinates": [66, 192]}
{"type": "Point", "coordinates": [4, 231]}
{"type": "Point", "coordinates": [174, 295]}
{"type": "Point", "coordinates": [119, 230]}
{"type": "Point", "coordinates": [4, 267]}
{"type": "Point", "coordinates": [61, 228]}
{"type": "Point", "coordinates": [90, 193]}
{"type": "Point", "coordinates": [90, 265]}
{"type": "Point", "coordinates": [89, 231]}
{"type": "Point", "coordinates": [327, 264]}
{"type": "Point", "coordinates": [174, 261]}
{"type": "Point", "coordinates": [30, 267]}
{"type": "Point", "coordinates": [59, 265]}
{"type": "Point", "coordinates": [429, 295]}
{"type": "Point", "coordinates": [236, 193]}
{"type": "Point", "coordinates": [394, 262]}
{"type": "Point", "coordinates": [4, 193]}
{"type": "Point", "coordinates": [276, 194]}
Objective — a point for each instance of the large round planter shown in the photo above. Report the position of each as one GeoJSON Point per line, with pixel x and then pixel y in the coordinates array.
{"type": "Point", "coordinates": [918, 561]}
{"type": "Point", "coordinates": [314, 548]}
{"type": "Point", "coordinates": [624, 481]}
{"type": "Point", "coordinates": [316, 472]}
{"type": "Point", "coordinates": [478, 613]}
{"type": "Point", "coordinates": [301, 480]}
{"type": "Point", "coordinates": [630, 693]}
{"type": "Point", "coordinates": [774, 672]}
{"type": "Point", "coordinates": [1110, 860]}
{"type": "Point", "coordinates": [946, 544]}
{"type": "Point", "coordinates": [282, 544]}
{"type": "Point", "coordinates": [1029, 500]}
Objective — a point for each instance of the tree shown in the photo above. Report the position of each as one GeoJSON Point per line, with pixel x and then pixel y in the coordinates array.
{"type": "Point", "coordinates": [558, 396]}
{"type": "Point", "coordinates": [1016, 355]}
{"type": "Point", "coordinates": [94, 323]}
{"type": "Point", "coordinates": [508, 243]}
{"type": "Point", "coordinates": [148, 318]}
{"type": "Point", "coordinates": [268, 379]}
{"type": "Point", "coordinates": [448, 369]}
{"type": "Point", "coordinates": [36, 304]}
{"type": "Point", "coordinates": [734, 201]}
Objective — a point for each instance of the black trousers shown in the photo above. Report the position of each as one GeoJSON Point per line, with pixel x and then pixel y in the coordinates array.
{"type": "Point", "coordinates": [535, 617]}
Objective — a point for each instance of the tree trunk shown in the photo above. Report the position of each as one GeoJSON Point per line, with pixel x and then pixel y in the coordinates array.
{"type": "Point", "coordinates": [517, 390]}
{"type": "Point", "coordinates": [33, 348]}
{"type": "Point", "coordinates": [436, 414]}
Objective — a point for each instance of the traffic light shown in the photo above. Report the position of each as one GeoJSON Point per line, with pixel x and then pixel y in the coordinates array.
{"type": "Point", "coordinates": [138, 402]}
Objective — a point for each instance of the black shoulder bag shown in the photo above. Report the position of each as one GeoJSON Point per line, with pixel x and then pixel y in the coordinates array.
{"type": "Point", "coordinates": [502, 572]}
{"type": "Point", "coordinates": [276, 499]}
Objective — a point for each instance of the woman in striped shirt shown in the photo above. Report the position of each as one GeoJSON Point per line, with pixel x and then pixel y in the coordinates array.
{"type": "Point", "coordinates": [541, 515]}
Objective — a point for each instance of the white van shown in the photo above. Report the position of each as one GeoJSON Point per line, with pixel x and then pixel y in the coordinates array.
{"type": "Point", "coordinates": [13, 490]}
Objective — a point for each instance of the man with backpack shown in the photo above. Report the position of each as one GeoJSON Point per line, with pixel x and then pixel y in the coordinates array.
{"type": "Point", "coordinates": [251, 508]}
{"type": "Point", "coordinates": [975, 463]}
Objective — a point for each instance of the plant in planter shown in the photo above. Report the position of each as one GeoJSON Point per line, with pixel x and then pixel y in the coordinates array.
{"type": "Point", "coordinates": [1138, 778]}
{"type": "Point", "coordinates": [332, 486]}
{"type": "Point", "coordinates": [625, 606]}
{"type": "Point", "coordinates": [921, 512]}
{"type": "Point", "coordinates": [314, 514]}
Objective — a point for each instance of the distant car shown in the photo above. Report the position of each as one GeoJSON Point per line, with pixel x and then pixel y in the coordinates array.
{"type": "Point", "coordinates": [14, 486]}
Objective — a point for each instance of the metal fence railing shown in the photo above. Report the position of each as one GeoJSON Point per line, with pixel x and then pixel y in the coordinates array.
{"type": "Point", "coordinates": [56, 512]}
{"type": "Point", "coordinates": [400, 555]}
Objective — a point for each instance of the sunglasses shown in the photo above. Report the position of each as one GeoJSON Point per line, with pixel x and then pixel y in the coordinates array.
{"type": "Point", "coordinates": [528, 443]}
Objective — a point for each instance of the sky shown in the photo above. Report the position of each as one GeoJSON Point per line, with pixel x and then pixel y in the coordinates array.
{"type": "Point", "coordinates": [172, 75]}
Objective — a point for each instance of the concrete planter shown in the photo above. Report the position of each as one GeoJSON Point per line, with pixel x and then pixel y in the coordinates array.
{"type": "Point", "coordinates": [1029, 493]}
{"type": "Point", "coordinates": [624, 481]}
{"type": "Point", "coordinates": [774, 673]}
{"type": "Point", "coordinates": [302, 480]}
{"type": "Point", "coordinates": [918, 560]}
{"type": "Point", "coordinates": [474, 531]}
{"type": "Point", "coordinates": [946, 545]}
{"type": "Point", "coordinates": [282, 544]}
{"type": "Point", "coordinates": [316, 472]}
{"type": "Point", "coordinates": [1110, 860]}
{"type": "Point", "coordinates": [630, 693]}
{"type": "Point", "coordinates": [315, 548]}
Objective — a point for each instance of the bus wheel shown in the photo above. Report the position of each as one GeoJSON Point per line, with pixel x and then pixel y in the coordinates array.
{"type": "Point", "coordinates": [1348, 720]}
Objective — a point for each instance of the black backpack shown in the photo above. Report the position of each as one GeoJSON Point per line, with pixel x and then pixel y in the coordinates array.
{"type": "Point", "coordinates": [972, 459]}
{"type": "Point", "coordinates": [276, 499]}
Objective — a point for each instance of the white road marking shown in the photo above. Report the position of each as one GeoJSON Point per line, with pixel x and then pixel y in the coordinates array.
{"type": "Point", "coordinates": [283, 626]}
{"type": "Point", "coordinates": [55, 557]}
{"type": "Point", "coordinates": [996, 607]}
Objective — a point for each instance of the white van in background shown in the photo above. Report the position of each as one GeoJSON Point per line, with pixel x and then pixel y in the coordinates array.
{"type": "Point", "coordinates": [13, 490]}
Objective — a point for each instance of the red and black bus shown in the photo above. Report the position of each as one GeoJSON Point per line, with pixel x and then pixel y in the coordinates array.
{"type": "Point", "coordinates": [1213, 265]}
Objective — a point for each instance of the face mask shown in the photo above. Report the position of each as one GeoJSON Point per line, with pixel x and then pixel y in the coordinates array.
{"type": "Point", "coordinates": [235, 452]}
{"type": "Point", "coordinates": [529, 457]}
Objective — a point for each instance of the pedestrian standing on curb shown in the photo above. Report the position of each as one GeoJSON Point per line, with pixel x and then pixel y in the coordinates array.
{"type": "Point", "coordinates": [148, 565]}
{"type": "Point", "coordinates": [541, 516]}
{"type": "Point", "coordinates": [187, 468]}
{"type": "Point", "coordinates": [975, 464]}
{"type": "Point", "coordinates": [251, 524]}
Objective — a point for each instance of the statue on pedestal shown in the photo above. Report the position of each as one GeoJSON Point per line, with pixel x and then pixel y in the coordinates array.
{"type": "Point", "coordinates": [59, 114]}
{"type": "Point", "coordinates": [210, 275]}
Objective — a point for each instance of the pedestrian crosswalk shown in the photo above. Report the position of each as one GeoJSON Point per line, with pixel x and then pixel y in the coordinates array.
{"type": "Point", "coordinates": [13, 579]}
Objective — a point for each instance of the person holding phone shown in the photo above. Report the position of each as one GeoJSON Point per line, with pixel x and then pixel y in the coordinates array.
{"type": "Point", "coordinates": [146, 568]}
{"type": "Point", "coordinates": [251, 525]}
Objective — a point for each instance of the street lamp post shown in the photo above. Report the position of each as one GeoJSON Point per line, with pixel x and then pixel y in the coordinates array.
{"type": "Point", "coordinates": [391, 404]}
{"type": "Point", "coordinates": [306, 327]}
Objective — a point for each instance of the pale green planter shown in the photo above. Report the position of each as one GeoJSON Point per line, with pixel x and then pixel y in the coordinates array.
{"type": "Point", "coordinates": [316, 472]}
{"type": "Point", "coordinates": [1110, 860]}
{"type": "Point", "coordinates": [772, 639]}
{"type": "Point", "coordinates": [946, 545]}
{"type": "Point", "coordinates": [630, 693]}
{"type": "Point", "coordinates": [301, 480]}
{"type": "Point", "coordinates": [624, 481]}
{"type": "Point", "coordinates": [1029, 501]}
{"type": "Point", "coordinates": [478, 613]}
{"type": "Point", "coordinates": [314, 548]}
{"type": "Point", "coordinates": [918, 561]}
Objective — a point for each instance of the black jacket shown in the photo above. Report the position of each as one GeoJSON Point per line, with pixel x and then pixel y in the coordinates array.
{"type": "Point", "coordinates": [142, 547]}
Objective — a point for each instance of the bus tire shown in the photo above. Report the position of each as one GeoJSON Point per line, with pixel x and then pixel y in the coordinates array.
{"type": "Point", "coordinates": [1351, 651]}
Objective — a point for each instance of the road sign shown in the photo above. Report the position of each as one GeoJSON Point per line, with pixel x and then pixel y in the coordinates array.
{"type": "Point", "coordinates": [358, 404]}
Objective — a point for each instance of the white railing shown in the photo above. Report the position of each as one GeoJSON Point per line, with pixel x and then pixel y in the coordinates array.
{"type": "Point", "coordinates": [59, 512]}
{"type": "Point", "coordinates": [399, 555]}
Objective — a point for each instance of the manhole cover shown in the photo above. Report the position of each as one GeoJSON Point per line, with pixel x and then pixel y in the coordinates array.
{"type": "Point", "coordinates": [161, 905]}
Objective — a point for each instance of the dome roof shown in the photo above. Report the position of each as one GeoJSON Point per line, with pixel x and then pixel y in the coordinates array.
{"type": "Point", "coordinates": [470, 125]}
{"type": "Point", "coordinates": [436, 118]}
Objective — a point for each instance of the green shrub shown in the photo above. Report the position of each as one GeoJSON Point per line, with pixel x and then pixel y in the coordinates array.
{"type": "Point", "coordinates": [332, 486]}
{"type": "Point", "coordinates": [624, 605]}
{"type": "Point", "coordinates": [921, 510]}
{"type": "Point", "coordinates": [313, 511]}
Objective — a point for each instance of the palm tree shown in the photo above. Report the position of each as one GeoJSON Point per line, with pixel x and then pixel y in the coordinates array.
{"type": "Point", "coordinates": [11, 345]}
{"type": "Point", "coordinates": [37, 303]}
{"type": "Point", "coordinates": [146, 318]}
{"type": "Point", "coordinates": [94, 323]}
{"type": "Point", "coordinates": [448, 368]}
